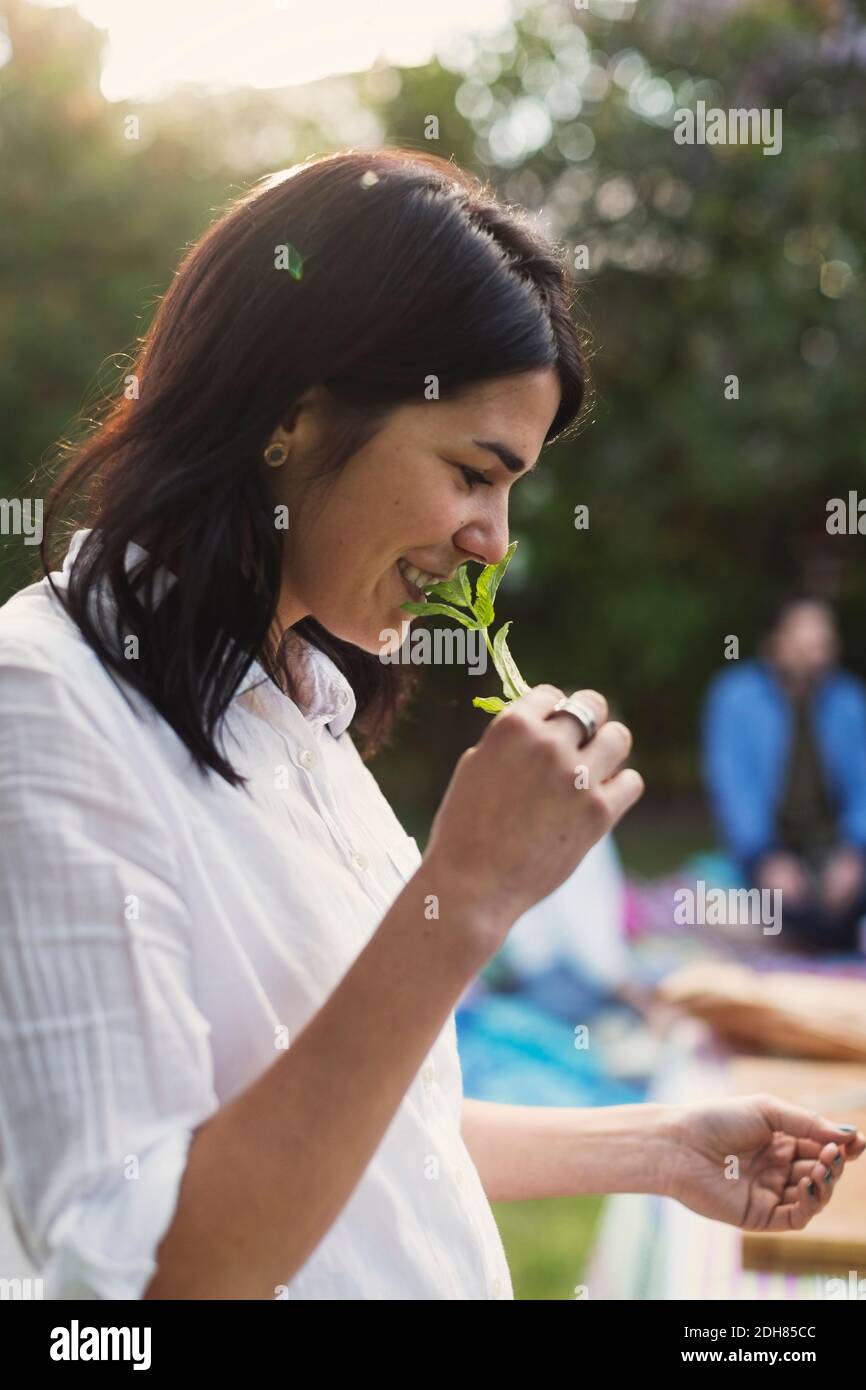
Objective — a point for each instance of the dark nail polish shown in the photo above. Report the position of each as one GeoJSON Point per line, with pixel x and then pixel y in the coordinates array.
{"type": "Point", "coordinates": [838, 1158]}
{"type": "Point", "coordinates": [849, 1129]}
{"type": "Point", "coordinates": [828, 1176]}
{"type": "Point", "coordinates": [812, 1189]}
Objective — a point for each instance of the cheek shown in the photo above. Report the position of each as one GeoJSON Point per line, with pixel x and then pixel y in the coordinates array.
{"type": "Point", "coordinates": [399, 504]}
{"type": "Point", "coordinates": [433, 507]}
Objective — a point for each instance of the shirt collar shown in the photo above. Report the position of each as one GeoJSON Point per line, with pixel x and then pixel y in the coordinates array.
{"type": "Point", "coordinates": [325, 696]}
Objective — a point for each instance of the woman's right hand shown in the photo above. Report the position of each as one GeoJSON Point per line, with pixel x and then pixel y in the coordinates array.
{"type": "Point", "coordinates": [525, 804]}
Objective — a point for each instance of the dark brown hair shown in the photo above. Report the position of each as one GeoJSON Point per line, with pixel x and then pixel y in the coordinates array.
{"type": "Point", "coordinates": [395, 264]}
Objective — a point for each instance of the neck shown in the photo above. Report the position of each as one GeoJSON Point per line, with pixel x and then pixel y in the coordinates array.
{"type": "Point", "coordinates": [797, 684]}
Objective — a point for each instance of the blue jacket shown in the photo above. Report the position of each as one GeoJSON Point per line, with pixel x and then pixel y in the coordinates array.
{"type": "Point", "coordinates": [746, 739]}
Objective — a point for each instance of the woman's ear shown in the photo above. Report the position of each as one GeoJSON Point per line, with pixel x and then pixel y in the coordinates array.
{"type": "Point", "coordinates": [312, 406]}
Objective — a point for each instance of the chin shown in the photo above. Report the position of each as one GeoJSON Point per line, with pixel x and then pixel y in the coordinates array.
{"type": "Point", "coordinates": [396, 631]}
{"type": "Point", "coordinates": [367, 636]}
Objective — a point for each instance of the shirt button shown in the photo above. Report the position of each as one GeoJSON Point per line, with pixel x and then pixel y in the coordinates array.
{"type": "Point", "coordinates": [497, 1286]}
{"type": "Point", "coordinates": [343, 697]}
{"type": "Point", "coordinates": [428, 1071]}
{"type": "Point", "coordinates": [307, 757]}
{"type": "Point", "coordinates": [360, 861]}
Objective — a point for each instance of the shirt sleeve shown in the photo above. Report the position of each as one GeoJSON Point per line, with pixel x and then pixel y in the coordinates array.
{"type": "Point", "coordinates": [851, 762]}
{"type": "Point", "coordinates": [105, 1061]}
{"type": "Point", "coordinates": [740, 798]}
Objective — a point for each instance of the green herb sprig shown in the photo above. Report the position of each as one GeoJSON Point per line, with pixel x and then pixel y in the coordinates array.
{"type": "Point", "coordinates": [454, 599]}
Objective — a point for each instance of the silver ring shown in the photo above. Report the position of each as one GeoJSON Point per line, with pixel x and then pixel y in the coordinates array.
{"type": "Point", "coordinates": [579, 711]}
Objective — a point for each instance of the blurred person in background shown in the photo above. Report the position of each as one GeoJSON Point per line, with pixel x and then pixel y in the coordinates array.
{"type": "Point", "coordinates": [784, 756]}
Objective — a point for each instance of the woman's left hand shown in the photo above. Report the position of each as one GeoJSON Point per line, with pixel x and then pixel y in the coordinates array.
{"type": "Point", "coordinates": [750, 1162]}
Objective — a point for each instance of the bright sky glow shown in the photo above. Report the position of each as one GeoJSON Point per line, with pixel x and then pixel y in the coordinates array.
{"type": "Point", "coordinates": [155, 45]}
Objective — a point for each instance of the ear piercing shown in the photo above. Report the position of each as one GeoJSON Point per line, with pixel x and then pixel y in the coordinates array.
{"type": "Point", "coordinates": [275, 454]}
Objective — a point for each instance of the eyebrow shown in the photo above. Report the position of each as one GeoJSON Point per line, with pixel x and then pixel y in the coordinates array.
{"type": "Point", "coordinates": [513, 462]}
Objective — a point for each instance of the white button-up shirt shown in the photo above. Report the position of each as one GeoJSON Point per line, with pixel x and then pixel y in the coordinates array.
{"type": "Point", "coordinates": [163, 936]}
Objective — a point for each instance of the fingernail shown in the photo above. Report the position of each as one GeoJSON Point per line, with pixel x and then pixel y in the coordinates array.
{"type": "Point", "coordinates": [828, 1176]}
{"type": "Point", "coordinates": [811, 1189]}
{"type": "Point", "coordinates": [838, 1158]}
{"type": "Point", "coordinates": [847, 1129]}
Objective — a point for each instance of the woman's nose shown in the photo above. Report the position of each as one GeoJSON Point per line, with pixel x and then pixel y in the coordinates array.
{"type": "Point", "coordinates": [485, 539]}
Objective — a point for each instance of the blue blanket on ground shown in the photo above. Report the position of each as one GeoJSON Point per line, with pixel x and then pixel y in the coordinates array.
{"type": "Point", "coordinates": [514, 1052]}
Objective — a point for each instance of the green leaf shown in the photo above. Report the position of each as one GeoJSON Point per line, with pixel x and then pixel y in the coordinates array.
{"type": "Point", "coordinates": [424, 609]}
{"type": "Point", "coordinates": [296, 262]}
{"type": "Point", "coordinates": [456, 590]}
{"type": "Point", "coordinates": [491, 577]}
{"type": "Point", "coordinates": [462, 578]}
{"type": "Point", "coordinates": [480, 616]}
{"type": "Point", "coordinates": [483, 609]}
{"type": "Point", "coordinates": [491, 703]}
{"type": "Point", "coordinates": [512, 682]}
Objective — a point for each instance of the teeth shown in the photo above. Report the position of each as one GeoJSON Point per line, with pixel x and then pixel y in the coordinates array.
{"type": "Point", "coordinates": [420, 578]}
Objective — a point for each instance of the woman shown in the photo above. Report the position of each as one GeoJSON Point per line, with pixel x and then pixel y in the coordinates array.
{"type": "Point", "coordinates": [229, 1064]}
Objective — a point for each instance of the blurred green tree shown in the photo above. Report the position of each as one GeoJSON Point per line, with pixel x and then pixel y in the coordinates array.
{"type": "Point", "coordinates": [694, 263]}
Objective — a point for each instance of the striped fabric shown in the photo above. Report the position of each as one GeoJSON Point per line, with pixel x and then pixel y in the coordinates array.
{"type": "Point", "coordinates": [655, 1248]}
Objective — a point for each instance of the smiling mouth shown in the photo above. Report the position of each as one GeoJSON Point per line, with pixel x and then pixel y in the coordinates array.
{"type": "Point", "coordinates": [415, 594]}
{"type": "Point", "coordinates": [413, 588]}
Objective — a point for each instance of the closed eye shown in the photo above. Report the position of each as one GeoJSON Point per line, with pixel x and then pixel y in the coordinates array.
{"type": "Point", "coordinates": [473, 476]}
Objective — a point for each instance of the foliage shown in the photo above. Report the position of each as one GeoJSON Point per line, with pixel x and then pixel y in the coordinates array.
{"type": "Point", "coordinates": [703, 261]}
{"type": "Point", "coordinates": [477, 612]}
